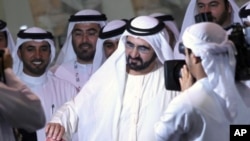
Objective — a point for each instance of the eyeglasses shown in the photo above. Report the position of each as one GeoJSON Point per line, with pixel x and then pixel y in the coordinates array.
{"type": "Point", "coordinates": [90, 33]}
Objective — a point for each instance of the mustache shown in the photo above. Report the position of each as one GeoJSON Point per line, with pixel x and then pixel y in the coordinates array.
{"type": "Point", "coordinates": [37, 60]}
{"type": "Point", "coordinates": [136, 58]}
{"type": "Point", "coordinates": [85, 44]}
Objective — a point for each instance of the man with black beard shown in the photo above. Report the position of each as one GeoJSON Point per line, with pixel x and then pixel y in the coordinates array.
{"type": "Point", "coordinates": [224, 13]}
{"type": "Point", "coordinates": [32, 56]}
{"type": "Point", "coordinates": [76, 62]}
{"type": "Point", "coordinates": [125, 97]}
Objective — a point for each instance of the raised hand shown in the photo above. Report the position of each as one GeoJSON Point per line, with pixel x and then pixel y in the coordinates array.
{"type": "Point", "coordinates": [186, 80]}
{"type": "Point", "coordinates": [54, 132]}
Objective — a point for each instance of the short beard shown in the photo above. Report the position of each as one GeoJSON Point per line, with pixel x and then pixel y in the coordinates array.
{"type": "Point", "coordinates": [85, 55]}
{"type": "Point", "coordinates": [224, 16]}
{"type": "Point", "coordinates": [35, 71]}
{"type": "Point", "coordinates": [143, 65]}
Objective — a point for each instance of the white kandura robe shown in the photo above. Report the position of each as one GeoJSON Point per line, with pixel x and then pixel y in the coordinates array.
{"type": "Point", "coordinates": [107, 114]}
{"type": "Point", "coordinates": [199, 115]}
{"type": "Point", "coordinates": [67, 72]}
{"type": "Point", "coordinates": [19, 107]}
{"type": "Point", "coordinates": [52, 92]}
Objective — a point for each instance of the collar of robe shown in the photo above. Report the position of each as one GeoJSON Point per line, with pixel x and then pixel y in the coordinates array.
{"type": "Point", "coordinates": [77, 18]}
{"type": "Point", "coordinates": [144, 32]}
{"type": "Point", "coordinates": [24, 35]}
{"type": "Point", "coordinates": [34, 81]}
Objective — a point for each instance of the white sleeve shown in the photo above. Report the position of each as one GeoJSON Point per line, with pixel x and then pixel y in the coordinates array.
{"type": "Point", "coordinates": [176, 121]}
{"type": "Point", "coordinates": [67, 117]}
{"type": "Point", "coordinates": [19, 105]}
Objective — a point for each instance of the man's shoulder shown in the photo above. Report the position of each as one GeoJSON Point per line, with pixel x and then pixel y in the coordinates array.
{"type": "Point", "coordinates": [192, 97]}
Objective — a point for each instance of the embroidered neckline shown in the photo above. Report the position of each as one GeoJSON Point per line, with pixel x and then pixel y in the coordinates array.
{"type": "Point", "coordinates": [77, 75]}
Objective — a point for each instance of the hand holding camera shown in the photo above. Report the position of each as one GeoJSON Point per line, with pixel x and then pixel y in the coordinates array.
{"type": "Point", "coordinates": [5, 62]}
{"type": "Point", "coordinates": [186, 79]}
{"type": "Point", "coordinates": [6, 59]}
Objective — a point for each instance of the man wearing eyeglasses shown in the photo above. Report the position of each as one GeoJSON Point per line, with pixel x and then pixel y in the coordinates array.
{"type": "Point", "coordinates": [75, 62]}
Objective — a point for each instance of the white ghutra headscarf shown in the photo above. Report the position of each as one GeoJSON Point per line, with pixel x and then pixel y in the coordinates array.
{"type": "Point", "coordinates": [84, 16]}
{"type": "Point", "coordinates": [169, 21]}
{"type": "Point", "coordinates": [153, 32]}
{"type": "Point", "coordinates": [209, 41]}
{"type": "Point", "coordinates": [111, 31]}
{"type": "Point", "coordinates": [31, 34]}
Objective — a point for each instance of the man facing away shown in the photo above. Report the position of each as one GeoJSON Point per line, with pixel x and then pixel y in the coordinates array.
{"type": "Point", "coordinates": [205, 111]}
{"type": "Point", "coordinates": [20, 107]}
{"type": "Point", "coordinates": [75, 62]}
{"type": "Point", "coordinates": [33, 55]}
{"type": "Point", "coordinates": [126, 95]}
{"type": "Point", "coordinates": [224, 13]}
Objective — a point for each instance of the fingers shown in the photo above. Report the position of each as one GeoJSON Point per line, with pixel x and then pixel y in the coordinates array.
{"type": "Point", "coordinates": [7, 58]}
{"type": "Point", "coordinates": [54, 131]}
{"type": "Point", "coordinates": [186, 80]}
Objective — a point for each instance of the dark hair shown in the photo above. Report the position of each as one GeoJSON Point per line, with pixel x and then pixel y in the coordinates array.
{"type": "Point", "coordinates": [5, 36]}
{"type": "Point", "coordinates": [227, 4]}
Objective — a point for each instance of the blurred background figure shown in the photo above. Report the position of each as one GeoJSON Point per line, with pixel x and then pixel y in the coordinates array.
{"type": "Point", "coordinates": [6, 39]}
{"type": "Point", "coordinates": [20, 107]}
{"type": "Point", "coordinates": [171, 27]}
{"type": "Point", "coordinates": [108, 39]}
{"type": "Point", "coordinates": [223, 12]}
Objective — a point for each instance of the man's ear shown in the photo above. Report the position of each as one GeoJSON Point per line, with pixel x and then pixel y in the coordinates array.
{"type": "Point", "coordinates": [19, 54]}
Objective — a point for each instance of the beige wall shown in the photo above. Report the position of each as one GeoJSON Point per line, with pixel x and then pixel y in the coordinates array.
{"type": "Point", "coordinates": [1, 10]}
{"type": "Point", "coordinates": [51, 14]}
{"type": "Point", "coordinates": [117, 9]}
{"type": "Point", "coordinates": [16, 13]}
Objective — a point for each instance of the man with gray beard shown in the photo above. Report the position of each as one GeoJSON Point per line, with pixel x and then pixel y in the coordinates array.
{"type": "Point", "coordinates": [125, 97]}
{"type": "Point", "coordinates": [76, 58]}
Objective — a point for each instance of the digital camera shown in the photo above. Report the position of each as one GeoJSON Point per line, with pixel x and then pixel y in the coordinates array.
{"type": "Point", "coordinates": [240, 37]}
{"type": "Point", "coordinates": [172, 68]}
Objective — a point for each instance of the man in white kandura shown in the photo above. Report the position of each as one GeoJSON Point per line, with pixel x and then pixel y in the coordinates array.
{"type": "Point", "coordinates": [126, 96]}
